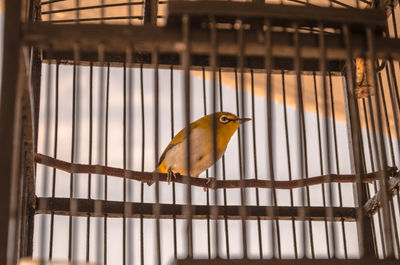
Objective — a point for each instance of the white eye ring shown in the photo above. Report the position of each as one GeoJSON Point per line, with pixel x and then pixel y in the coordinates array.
{"type": "Point", "coordinates": [224, 119]}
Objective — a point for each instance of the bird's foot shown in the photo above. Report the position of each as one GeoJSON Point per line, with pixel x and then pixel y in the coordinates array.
{"type": "Point", "coordinates": [209, 180]}
{"type": "Point", "coordinates": [170, 175]}
{"type": "Point", "coordinates": [148, 182]}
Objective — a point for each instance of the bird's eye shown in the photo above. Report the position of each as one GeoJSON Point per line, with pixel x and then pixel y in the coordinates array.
{"type": "Point", "coordinates": [224, 119]}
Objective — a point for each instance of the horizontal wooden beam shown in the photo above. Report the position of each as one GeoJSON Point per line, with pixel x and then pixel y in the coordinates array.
{"type": "Point", "coordinates": [281, 15]}
{"type": "Point", "coordinates": [143, 40]}
{"type": "Point", "coordinates": [86, 207]}
{"type": "Point", "coordinates": [365, 261]}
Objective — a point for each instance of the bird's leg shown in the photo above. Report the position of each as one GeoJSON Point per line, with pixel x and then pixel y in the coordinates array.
{"type": "Point", "coordinates": [170, 176]}
{"type": "Point", "coordinates": [209, 180]}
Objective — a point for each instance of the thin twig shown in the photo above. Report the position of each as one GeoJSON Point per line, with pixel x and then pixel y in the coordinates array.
{"type": "Point", "coordinates": [200, 182]}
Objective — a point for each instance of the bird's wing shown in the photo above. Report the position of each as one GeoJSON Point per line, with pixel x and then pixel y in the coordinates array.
{"type": "Point", "coordinates": [176, 140]}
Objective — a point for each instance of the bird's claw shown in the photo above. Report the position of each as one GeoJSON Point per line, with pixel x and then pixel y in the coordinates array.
{"type": "Point", "coordinates": [170, 175]}
{"type": "Point", "coordinates": [209, 180]}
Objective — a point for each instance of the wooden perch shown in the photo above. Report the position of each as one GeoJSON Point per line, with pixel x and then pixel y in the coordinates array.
{"type": "Point", "coordinates": [372, 205]}
{"type": "Point", "coordinates": [200, 182]}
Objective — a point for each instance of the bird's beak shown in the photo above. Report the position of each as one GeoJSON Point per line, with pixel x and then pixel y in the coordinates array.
{"type": "Point", "coordinates": [242, 120]}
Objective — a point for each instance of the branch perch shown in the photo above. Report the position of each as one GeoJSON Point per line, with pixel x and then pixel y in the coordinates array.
{"type": "Point", "coordinates": [200, 182]}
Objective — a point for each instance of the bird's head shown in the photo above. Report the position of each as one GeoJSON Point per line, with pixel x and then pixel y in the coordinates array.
{"type": "Point", "coordinates": [226, 123]}
{"type": "Point", "coordinates": [225, 119]}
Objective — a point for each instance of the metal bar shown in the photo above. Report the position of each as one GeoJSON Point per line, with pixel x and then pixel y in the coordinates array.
{"type": "Point", "coordinates": [89, 192]}
{"type": "Point", "coordinates": [323, 69]}
{"type": "Point", "coordinates": [72, 155]}
{"type": "Point", "coordinates": [239, 130]}
{"type": "Point", "coordinates": [142, 164]}
{"type": "Point", "coordinates": [130, 153]}
{"type": "Point", "coordinates": [270, 159]}
{"type": "Point", "coordinates": [372, 163]}
{"type": "Point", "coordinates": [92, 19]}
{"type": "Point", "coordinates": [392, 157]}
{"type": "Point", "coordinates": [314, 14]}
{"type": "Point", "coordinates": [214, 42]}
{"type": "Point", "coordinates": [253, 117]}
{"type": "Point", "coordinates": [380, 148]}
{"type": "Point", "coordinates": [100, 154]}
{"type": "Point", "coordinates": [106, 161]}
{"type": "Point", "coordinates": [124, 154]}
{"type": "Point", "coordinates": [90, 7]}
{"type": "Point", "coordinates": [55, 140]}
{"type": "Point", "coordinates": [76, 149]}
{"type": "Point", "coordinates": [335, 141]}
{"type": "Point", "coordinates": [321, 163]}
{"type": "Point", "coordinates": [299, 124]}
{"type": "Point", "coordinates": [207, 173]}
{"type": "Point", "coordinates": [364, 231]}
{"type": "Point", "coordinates": [289, 164]}
{"type": "Point", "coordinates": [49, 2]}
{"type": "Point", "coordinates": [173, 183]}
{"type": "Point", "coordinates": [240, 43]}
{"type": "Point", "coordinates": [115, 209]}
{"type": "Point", "coordinates": [156, 206]}
{"type": "Point", "coordinates": [186, 40]}
{"type": "Point", "coordinates": [223, 169]}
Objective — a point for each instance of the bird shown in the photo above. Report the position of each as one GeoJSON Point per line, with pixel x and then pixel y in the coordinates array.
{"type": "Point", "coordinates": [174, 160]}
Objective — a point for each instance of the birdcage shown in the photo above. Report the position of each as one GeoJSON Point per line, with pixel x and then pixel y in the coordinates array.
{"type": "Point", "coordinates": [93, 91]}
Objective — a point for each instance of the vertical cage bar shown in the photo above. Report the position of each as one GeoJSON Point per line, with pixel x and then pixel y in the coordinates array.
{"type": "Point", "coordinates": [142, 164]}
{"type": "Point", "coordinates": [380, 148]}
{"type": "Point", "coordinates": [105, 223]}
{"type": "Point", "coordinates": [288, 158]}
{"type": "Point", "coordinates": [297, 67]}
{"type": "Point", "coordinates": [172, 136]}
{"type": "Point", "coordinates": [76, 155]}
{"type": "Point", "coordinates": [353, 123]}
{"type": "Point", "coordinates": [124, 154]}
{"type": "Point", "coordinates": [372, 164]}
{"type": "Point", "coordinates": [187, 98]}
{"type": "Point", "coordinates": [253, 117]}
{"type": "Point", "coordinates": [55, 140]}
{"type": "Point", "coordinates": [321, 162]}
{"type": "Point", "coordinates": [328, 211]}
{"type": "Point", "coordinates": [100, 154]}
{"type": "Point", "coordinates": [44, 186]}
{"type": "Point", "coordinates": [89, 191]}
{"type": "Point", "coordinates": [129, 255]}
{"type": "Point", "coordinates": [223, 171]}
{"type": "Point", "coordinates": [156, 207]}
{"type": "Point", "coordinates": [335, 145]}
{"type": "Point", "coordinates": [72, 155]}
{"type": "Point", "coordinates": [213, 69]}
{"type": "Point", "coordinates": [239, 134]}
{"type": "Point", "coordinates": [392, 157]}
{"type": "Point", "coordinates": [270, 160]}
{"type": "Point", "coordinates": [207, 173]}
{"type": "Point", "coordinates": [241, 61]}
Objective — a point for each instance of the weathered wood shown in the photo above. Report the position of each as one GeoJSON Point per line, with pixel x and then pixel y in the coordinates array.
{"type": "Point", "coordinates": [200, 182]}
{"type": "Point", "coordinates": [118, 209]}
{"type": "Point", "coordinates": [372, 205]}
{"type": "Point", "coordinates": [288, 262]}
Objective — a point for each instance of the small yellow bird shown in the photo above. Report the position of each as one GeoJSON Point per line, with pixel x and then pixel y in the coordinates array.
{"type": "Point", "coordinates": [174, 159]}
